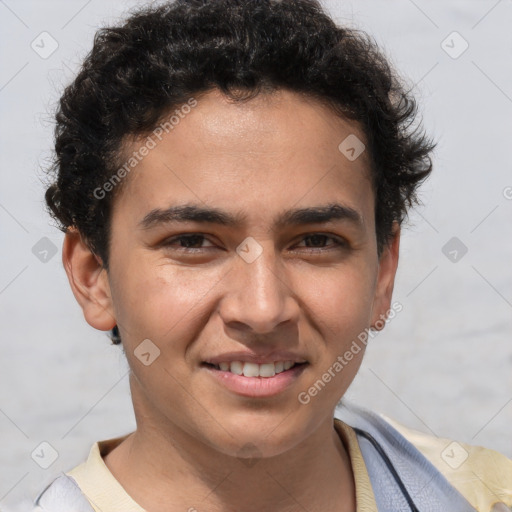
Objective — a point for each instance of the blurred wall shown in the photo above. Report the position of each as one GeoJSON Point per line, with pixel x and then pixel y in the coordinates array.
{"type": "Point", "coordinates": [442, 365]}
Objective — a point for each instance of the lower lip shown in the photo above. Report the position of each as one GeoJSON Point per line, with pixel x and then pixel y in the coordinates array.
{"type": "Point", "coordinates": [257, 387]}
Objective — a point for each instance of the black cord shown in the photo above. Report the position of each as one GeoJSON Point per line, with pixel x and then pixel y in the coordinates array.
{"type": "Point", "coordinates": [390, 466]}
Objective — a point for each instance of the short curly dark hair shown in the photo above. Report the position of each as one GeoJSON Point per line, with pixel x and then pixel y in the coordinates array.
{"type": "Point", "coordinates": [138, 72]}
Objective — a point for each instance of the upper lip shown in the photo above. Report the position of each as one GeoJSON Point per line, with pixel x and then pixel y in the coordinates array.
{"type": "Point", "coordinates": [251, 357]}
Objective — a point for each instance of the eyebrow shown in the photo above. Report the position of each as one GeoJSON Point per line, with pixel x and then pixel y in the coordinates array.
{"type": "Point", "coordinates": [196, 213]}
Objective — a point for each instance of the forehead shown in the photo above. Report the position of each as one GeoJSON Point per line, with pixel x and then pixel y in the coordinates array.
{"type": "Point", "coordinates": [260, 157]}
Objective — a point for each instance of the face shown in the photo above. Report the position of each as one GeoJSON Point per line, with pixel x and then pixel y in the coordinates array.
{"type": "Point", "coordinates": [283, 269]}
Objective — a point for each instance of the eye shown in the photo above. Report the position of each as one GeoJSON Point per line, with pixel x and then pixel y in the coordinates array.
{"type": "Point", "coordinates": [189, 240]}
{"type": "Point", "coordinates": [193, 243]}
{"type": "Point", "coordinates": [317, 239]}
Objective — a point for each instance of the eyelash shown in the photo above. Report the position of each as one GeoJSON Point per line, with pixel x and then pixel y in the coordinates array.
{"type": "Point", "coordinates": [339, 243]}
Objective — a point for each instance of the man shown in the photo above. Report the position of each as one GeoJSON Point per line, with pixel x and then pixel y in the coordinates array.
{"type": "Point", "coordinates": [231, 177]}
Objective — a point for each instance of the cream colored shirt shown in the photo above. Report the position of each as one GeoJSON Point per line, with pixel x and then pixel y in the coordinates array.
{"type": "Point", "coordinates": [485, 479]}
{"type": "Point", "coordinates": [106, 494]}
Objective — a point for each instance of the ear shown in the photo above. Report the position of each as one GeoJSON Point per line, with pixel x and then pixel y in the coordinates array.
{"type": "Point", "coordinates": [388, 263]}
{"type": "Point", "coordinates": [89, 281]}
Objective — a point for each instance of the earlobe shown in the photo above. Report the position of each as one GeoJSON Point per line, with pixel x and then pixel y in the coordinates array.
{"type": "Point", "coordinates": [88, 280]}
{"type": "Point", "coordinates": [388, 264]}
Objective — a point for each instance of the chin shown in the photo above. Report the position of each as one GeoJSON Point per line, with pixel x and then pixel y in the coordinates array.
{"type": "Point", "coordinates": [260, 439]}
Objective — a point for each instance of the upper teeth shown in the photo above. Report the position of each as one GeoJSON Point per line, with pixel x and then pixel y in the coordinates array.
{"type": "Point", "coordinates": [256, 370]}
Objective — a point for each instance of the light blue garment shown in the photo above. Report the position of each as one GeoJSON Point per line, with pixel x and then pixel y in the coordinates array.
{"type": "Point", "coordinates": [403, 480]}
{"type": "Point", "coordinates": [424, 485]}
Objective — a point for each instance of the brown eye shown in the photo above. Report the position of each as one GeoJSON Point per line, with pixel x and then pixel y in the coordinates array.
{"type": "Point", "coordinates": [189, 242]}
{"type": "Point", "coordinates": [317, 241]}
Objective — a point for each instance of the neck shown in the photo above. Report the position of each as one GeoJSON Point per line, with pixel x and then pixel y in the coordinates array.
{"type": "Point", "coordinates": [158, 465]}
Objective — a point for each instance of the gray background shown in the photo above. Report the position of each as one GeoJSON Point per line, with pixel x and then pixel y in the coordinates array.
{"type": "Point", "coordinates": [441, 366]}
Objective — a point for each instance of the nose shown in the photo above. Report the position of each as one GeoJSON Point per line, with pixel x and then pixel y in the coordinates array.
{"type": "Point", "coordinates": [260, 295]}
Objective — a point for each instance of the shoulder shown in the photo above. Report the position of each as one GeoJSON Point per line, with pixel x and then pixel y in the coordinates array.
{"type": "Point", "coordinates": [62, 495]}
{"type": "Point", "coordinates": [81, 487]}
{"type": "Point", "coordinates": [483, 476]}
{"type": "Point", "coordinates": [440, 473]}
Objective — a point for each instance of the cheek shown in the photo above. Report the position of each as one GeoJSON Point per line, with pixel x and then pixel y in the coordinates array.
{"type": "Point", "coordinates": [340, 306]}
{"type": "Point", "coordinates": [161, 301]}
{"type": "Point", "coordinates": [341, 298]}
{"type": "Point", "coordinates": [171, 304]}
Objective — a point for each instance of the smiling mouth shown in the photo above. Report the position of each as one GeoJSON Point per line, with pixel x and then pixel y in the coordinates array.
{"type": "Point", "coordinates": [248, 369]}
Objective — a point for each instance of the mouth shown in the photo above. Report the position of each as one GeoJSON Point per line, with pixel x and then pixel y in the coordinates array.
{"type": "Point", "coordinates": [248, 369]}
{"type": "Point", "coordinates": [257, 381]}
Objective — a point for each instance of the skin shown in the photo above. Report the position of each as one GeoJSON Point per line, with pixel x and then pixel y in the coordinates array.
{"type": "Point", "coordinates": [273, 153]}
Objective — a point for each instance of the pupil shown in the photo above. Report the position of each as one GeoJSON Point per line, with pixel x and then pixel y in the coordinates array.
{"type": "Point", "coordinates": [316, 238]}
{"type": "Point", "coordinates": [189, 240]}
